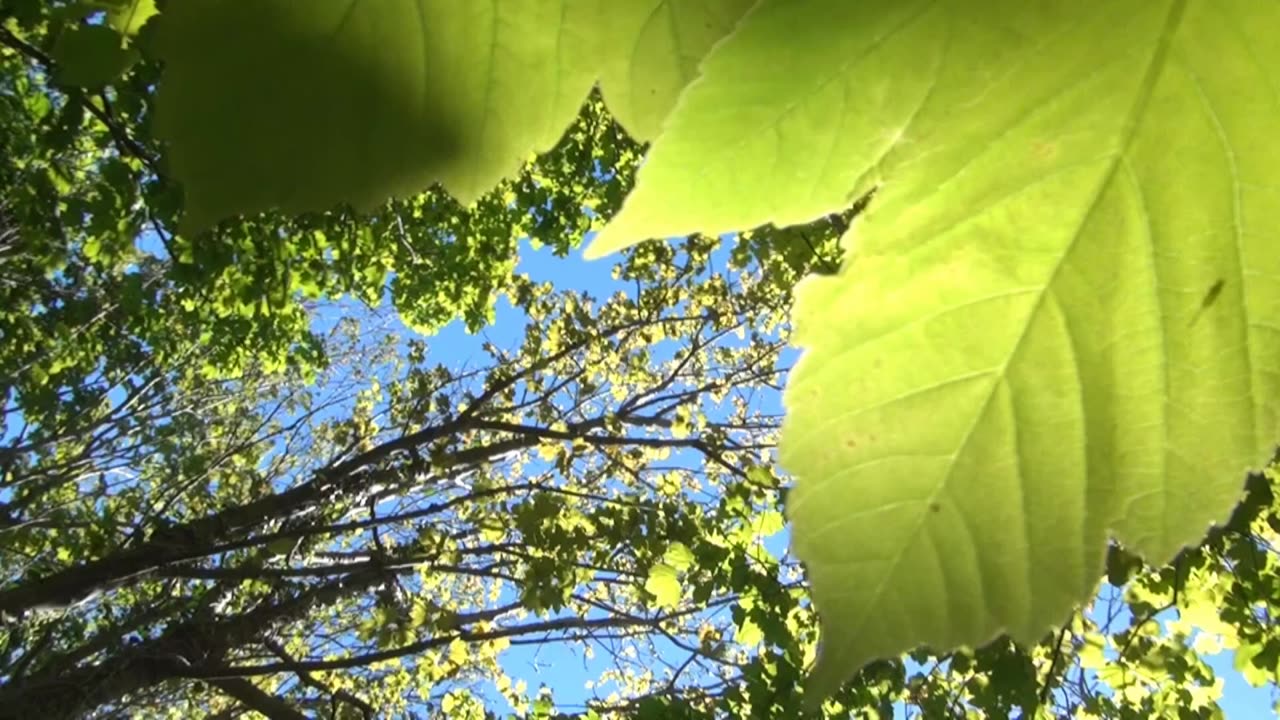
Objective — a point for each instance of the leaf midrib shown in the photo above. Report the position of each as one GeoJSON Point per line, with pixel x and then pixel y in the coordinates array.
{"type": "Point", "coordinates": [1129, 128]}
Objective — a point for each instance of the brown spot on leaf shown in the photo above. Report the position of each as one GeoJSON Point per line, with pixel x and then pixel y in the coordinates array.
{"type": "Point", "coordinates": [1045, 150]}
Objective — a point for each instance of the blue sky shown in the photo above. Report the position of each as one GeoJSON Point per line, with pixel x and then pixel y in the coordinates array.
{"type": "Point", "coordinates": [559, 666]}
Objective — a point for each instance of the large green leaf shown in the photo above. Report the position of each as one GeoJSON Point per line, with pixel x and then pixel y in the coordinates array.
{"type": "Point", "coordinates": [1059, 319]}
{"type": "Point", "coordinates": [659, 45]}
{"type": "Point", "coordinates": [790, 115]}
{"type": "Point", "coordinates": [302, 104]}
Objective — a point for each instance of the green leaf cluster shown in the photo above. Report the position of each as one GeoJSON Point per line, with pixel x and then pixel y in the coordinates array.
{"type": "Point", "coordinates": [1040, 348]}
{"type": "Point", "coordinates": [1054, 322]}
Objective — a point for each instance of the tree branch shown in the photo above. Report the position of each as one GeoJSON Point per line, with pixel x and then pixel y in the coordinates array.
{"type": "Point", "coordinates": [126, 144]}
{"type": "Point", "coordinates": [557, 625]}
{"type": "Point", "coordinates": [309, 680]}
{"type": "Point", "coordinates": [254, 698]}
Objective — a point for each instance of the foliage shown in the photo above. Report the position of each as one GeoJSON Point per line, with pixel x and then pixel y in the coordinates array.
{"type": "Point", "coordinates": [977, 122]}
{"type": "Point", "coordinates": [90, 190]}
{"type": "Point", "coordinates": [330, 547]}
{"type": "Point", "coordinates": [209, 509]}
{"type": "Point", "coordinates": [344, 529]}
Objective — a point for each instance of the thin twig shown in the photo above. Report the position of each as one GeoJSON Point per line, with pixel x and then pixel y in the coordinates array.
{"type": "Point", "coordinates": [1046, 685]}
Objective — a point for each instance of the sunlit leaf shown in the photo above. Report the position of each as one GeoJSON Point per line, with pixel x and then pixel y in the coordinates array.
{"type": "Point", "coordinates": [749, 634]}
{"type": "Point", "coordinates": [664, 583]}
{"type": "Point", "coordinates": [790, 116]}
{"type": "Point", "coordinates": [1006, 369]}
{"type": "Point", "coordinates": [678, 556]}
{"type": "Point", "coordinates": [128, 16]}
{"type": "Point", "coordinates": [661, 43]}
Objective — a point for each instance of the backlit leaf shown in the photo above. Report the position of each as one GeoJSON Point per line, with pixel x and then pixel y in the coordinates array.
{"type": "Point", "coordinates": [663, 582]}
{"type": "Point", "coordinates": [329, 101]}
{"type": "Point", "coordinates": [660, 45]}
{"type": "Point", "coordinates": [788, 138]}
{"type": "Point", "coordinates": [1005, 372]}
{"type": "Point", "coordinates": [128, 16]}
{"type": "Point", "coordinates": [678, 556]}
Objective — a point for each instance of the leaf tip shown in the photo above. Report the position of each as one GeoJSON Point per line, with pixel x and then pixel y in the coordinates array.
{"type": "Point", "coordinates": [822, 683]}
{"type": "Point", "coordinates": [607, 242]}
{"type": "Point", "coordinates": [196, 219]}
{"type": "Point", "coordinates": [832, 669]}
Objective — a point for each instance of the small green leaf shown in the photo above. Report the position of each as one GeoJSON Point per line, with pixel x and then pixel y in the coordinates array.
{"type": "Point", "coordinates": [1258, 662]}
{"type": "Point", "coordinates": [749, 634]}
{"type": "Point", "coordinates": [90, 56]}
{"type": "Point", "coordinates": [678, 556]}
{"type": "Point", "coordinates": [1121, 565]}
{"type": "Point", "coordinates": [1092, 654]}
{"type": "Point", "coordinates": [543, 706]}
{"type": "Point", "coordinates": [92, 248]}
{"type": "Point", "coordinates": [768, 523]}
{"type": "Point", "coordinates": [128, 16]}
{"type": "Point", "coordinates": [664, 584]}
{"type": "Point", "coordinates": [280, 547]}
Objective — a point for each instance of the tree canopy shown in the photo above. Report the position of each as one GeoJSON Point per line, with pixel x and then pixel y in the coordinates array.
{"type": "Point", "coordinates": [243, 474]}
